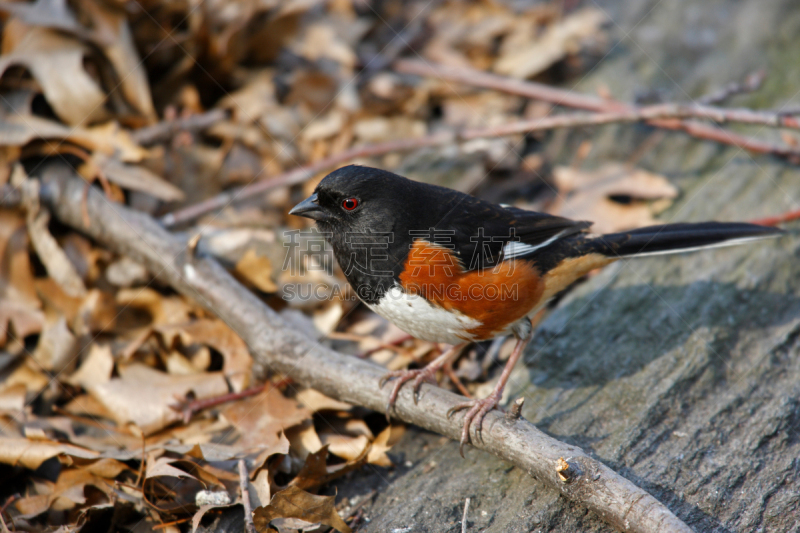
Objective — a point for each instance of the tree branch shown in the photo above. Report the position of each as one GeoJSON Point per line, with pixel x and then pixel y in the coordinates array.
{"type": "Point", "coordinates": [277, 347]}
{"type": "Point", "coordinates": [162, 131]}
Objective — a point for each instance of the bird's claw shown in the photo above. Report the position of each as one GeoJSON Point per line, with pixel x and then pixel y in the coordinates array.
{"type": "Point", "coordinates": [419, 376]}
{"type": "Point", "coordinates": [475, 415]}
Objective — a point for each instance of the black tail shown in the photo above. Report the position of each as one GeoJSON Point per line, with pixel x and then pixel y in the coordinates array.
{"type": "Point", "coordinates": [674, 238]}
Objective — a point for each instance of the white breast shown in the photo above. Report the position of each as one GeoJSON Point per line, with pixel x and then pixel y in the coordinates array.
{"type": "Point", "coordinates": [414, 315]}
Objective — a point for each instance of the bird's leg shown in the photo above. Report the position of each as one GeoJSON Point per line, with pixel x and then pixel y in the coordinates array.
{"type": "Point", "coordinates": [479, 408]}
{"type": "Point", "coordinates": [418, 375]}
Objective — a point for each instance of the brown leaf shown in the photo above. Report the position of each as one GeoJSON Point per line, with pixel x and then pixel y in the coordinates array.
{"type": "Point", "coordinates": [297, 503]}
{"type": "Point", "coordinates": [316, 472]}
{"type": "Point", "coordinates": [32, 453]}
{"type": "Point", "coordinates": [589, 196]}
{"type": "Point", "coordinates": [111, 32]}
{"type": "Point", "coordinates": [96, 368]}
{"type": "Point", "coordinates": [134, 178]}
{"type": "Point", "coordinates": [256, 270]}
{"type": "Point", "coordinates": [52, 256]}
{"type": "Point", "coordinates": [57, 346]}
{"type": "Point", "coordinates": [143, 396]}
{"type": "Point", "coordinates": [66, 493]}
{"type": "Point", "coordinates": [382, 443]}
{"type": "Point", "coordinates": [261, 418]}
{"type": "Point", "coordinates": [316, 401]}
{"type": "Point", "coordinates": [56, 61]}
{"type": "Point", "coordinates": [559, 39]}
{"type": "Point", "coordinates": [217, 334]}
{"type": "Point", "coordinates": [12, 398]}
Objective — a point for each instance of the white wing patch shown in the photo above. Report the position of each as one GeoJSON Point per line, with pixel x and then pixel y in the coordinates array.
{"type": "Point", "coordinates": [516, 248]}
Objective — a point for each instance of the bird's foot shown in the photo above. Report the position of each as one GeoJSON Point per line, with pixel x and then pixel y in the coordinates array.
{"type": "Point", "coordinates": [474, 417]}
{"type": "Point", "coordinates": [420, 376]}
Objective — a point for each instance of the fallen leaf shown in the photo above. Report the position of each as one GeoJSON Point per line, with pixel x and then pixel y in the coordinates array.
{"type": "Point", "coordinates": [132, 177]}
{"type": "Point", "coordinates": [52, 256]}
{"type": "Point", "coordinates": [316, 401]}
{"type": "Point", "coordinates": [382, 443]}
{"type": "Point", "coordinates": [262, 418]}
{"type": "Point", "coordinates": [32, 453]}
{"type": "Point", "coordinates": [316, 472]}
{"type": "Point", "coordinates": [345, 446]}
{"type": "Point", "coordinates": [256, 270]}
{"type": "Point", "coordinates": [57, 346]}
{"type": "Point", "coordinates": [217, 334]}
{"type": "Point", "coordinates": [95, 369]}
{"type": "Point", "coordinates": [293, 502]}
{"type": "Point", "coordinates": [66, 493]}
{"type": "Point", "coordinates": [558, 40]}
{"type": "Point", "coordinates": [56, 61]}
{"type": "Point", "coordinates": [589, 196]}
{"type": "Point", "coordinates": [143, 396]}
{"type": "Point", "coordinates": [12, 398]}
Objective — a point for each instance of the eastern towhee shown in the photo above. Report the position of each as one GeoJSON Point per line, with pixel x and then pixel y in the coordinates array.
{"type": "Point", "coordinates": [447, 267]}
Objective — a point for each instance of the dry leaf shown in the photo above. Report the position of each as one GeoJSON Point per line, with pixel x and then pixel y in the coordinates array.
{"type": "Point", "coordinates": [382, 443]}
{"type": "Point", "coordinates": [56, 61]}
{"type": "Point", "coordinates": [12, 398]}
{"type": "Point", "coordinates": [218, 335]}
{"type": "Point", "coordinates": [297, 503]}
{"type": "Point", "coordinates": [56, 347]}
{"type": "Point", "coordinates": [32, 453]}
{"type": "Point", "coordinates": [316, 472]}
{"type": "Point", "coordinates": [560, 39]}
{"type": "Point", "coordinates": [96, 368]}
{"type": "Point", "coordinates": [133, 177]}
{"type": "Point", "coordinates": [52, 256]}
{"type": "Point", "coordinates": [316, 401]}
{"type": "Point", "coordinates": [143, 396]}
{"type": "Point", "coordinates": [256, 270]}
{"type": "Point", "coordinates": [589, 196]}
{"type": "Point", "coordinates": [262, 418]}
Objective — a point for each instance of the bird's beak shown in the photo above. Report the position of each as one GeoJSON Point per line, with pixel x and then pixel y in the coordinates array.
{"type": "Point", "coordinates": [309, 208]}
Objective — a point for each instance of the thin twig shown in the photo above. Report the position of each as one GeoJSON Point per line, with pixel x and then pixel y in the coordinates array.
{"type": "Point", "coordinates": [752, 82]}
{"type": "Point", "coordinates": [464, 517]}
{"type": "Point", "coordinates": [250, 527]}
{"type": "Point", "coordinates": [779, 219]}
{"type": "Point", "coordinates": [188, 408]}
{"type": "Point", "coordinates": [668, 116]}
{"type": "Point", "coordinates": [277, 347]}
{"type": "Point", "coordinates": [163, 131]}
{"type": "Point", "coordinates": [567, 98]}
{"type": "Point", "coordinates": [298, 175]}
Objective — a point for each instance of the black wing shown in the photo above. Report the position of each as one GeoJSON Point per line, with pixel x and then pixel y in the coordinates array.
{"type": "Point", "coordinates": [483, 234]}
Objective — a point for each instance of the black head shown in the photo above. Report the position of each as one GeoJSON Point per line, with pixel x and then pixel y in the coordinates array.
{"type": "Point", "coordinates": [355, 198]}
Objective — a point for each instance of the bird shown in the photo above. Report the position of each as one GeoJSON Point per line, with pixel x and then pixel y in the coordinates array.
{"type": "Point", "coordinates": [451, 268]}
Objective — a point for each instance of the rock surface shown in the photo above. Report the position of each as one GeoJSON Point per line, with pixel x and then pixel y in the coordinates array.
{"type": "Point", "coordinates": [682, 373]}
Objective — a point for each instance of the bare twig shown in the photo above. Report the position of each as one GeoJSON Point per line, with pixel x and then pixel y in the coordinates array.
{"type": "Point", "coordinates": [778, 219]}
{"type": "Point", "coordinates": [566, 98]}
{"type": "Point", "coordinates": [250, 527]}
{"type": "Point", "coordinates": [658, 113]}
{"type": "Point", "coordinates": [188, 408]}
{"type": "Point", "coordinates": [668, 116]}
{"type": "Point", "coordinates": [162, 131]}
{"type": "Point", "coordinates": [277, 347]}
{"type": "Point", "coordinates": [752, 82]}
{"type": "Point", "coordinates": [464, 517]}
{"type": "Point", "coordinates": [298, 175]}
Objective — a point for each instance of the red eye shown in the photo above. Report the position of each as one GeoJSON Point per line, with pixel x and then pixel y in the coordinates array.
{"type": "Point", "coordinates": [349, 204]}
